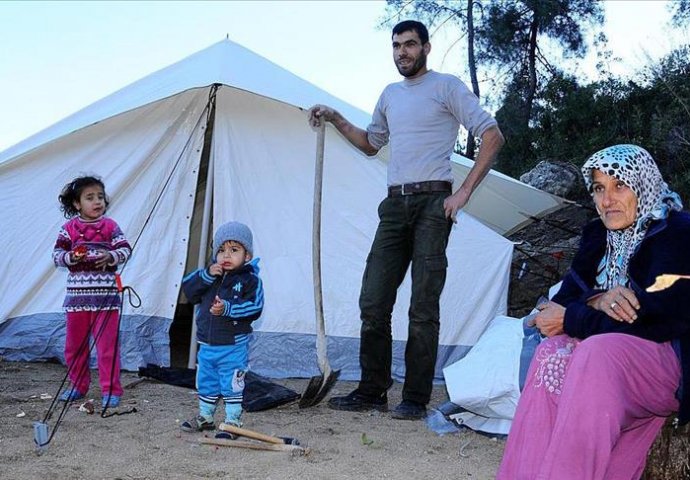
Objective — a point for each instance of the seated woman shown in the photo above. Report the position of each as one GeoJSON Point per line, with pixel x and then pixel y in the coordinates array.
{"type": "Point", "coordinates": [617, 357]}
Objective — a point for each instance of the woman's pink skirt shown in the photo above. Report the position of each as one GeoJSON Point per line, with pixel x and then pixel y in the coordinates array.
{"type": "Point", "coordinates": [591, 409]}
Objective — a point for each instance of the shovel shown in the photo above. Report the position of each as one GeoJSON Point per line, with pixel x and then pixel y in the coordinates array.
{"type": "Point", "coordinates": [41, 437]}
{"type": "Point", "coordinates": [320, 385]}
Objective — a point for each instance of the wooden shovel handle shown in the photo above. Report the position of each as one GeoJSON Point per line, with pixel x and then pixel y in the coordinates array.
{"type": "Point", "coordinates": [243, 432]}
{"type": "Point", "coordinates": [321, 353]}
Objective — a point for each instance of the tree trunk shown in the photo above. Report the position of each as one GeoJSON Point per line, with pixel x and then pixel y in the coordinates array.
{"type": "Point", "coordinates": [472, 65]}
{"type": "Point", "coordinates": [532, 59]}
{"type": "Point", "coordinates": [669, 458]}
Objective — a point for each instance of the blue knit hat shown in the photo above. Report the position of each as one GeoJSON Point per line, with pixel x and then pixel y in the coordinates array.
{"type": "Point", "coordinates": [235, 231]}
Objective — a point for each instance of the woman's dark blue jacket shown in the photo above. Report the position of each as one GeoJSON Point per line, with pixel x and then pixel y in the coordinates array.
{"type": "Point", "coordinates": [663, 316]}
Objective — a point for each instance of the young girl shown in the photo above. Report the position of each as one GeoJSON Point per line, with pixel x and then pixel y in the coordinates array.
{"type": "Point", "coordinates": [91, 246]}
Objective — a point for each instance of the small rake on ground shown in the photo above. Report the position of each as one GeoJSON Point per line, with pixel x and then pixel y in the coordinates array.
{"type": "Point", "coordinates": [320, 385]}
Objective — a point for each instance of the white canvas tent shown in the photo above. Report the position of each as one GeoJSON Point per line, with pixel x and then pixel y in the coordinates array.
{"type": "Point", "coordinates": [230, 119]}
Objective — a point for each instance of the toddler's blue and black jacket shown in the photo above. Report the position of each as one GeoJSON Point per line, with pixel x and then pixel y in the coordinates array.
{"type": "Point", "coordinates": [242, 294]}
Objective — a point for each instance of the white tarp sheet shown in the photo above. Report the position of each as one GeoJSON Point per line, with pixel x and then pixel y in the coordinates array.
{"type": "Point", "coordinates": [485, 381]}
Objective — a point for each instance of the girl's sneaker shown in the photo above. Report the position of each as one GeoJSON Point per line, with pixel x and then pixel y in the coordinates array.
{"type": "Point", "coordinates": [198, 424]}
{"type": "Point", "coordinates": [110, 401]}
{"type": "Point", "coordinates": [71, 394]}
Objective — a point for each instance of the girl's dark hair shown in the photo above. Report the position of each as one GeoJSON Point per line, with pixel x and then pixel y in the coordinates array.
{"type": "Point", "coordinates": [72, 192]}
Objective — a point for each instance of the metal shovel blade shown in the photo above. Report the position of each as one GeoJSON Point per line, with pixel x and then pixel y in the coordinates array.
{"type": "Point", "coordinates": [40, 436]}
{"type": "Point", "coordinates": [318, 388]}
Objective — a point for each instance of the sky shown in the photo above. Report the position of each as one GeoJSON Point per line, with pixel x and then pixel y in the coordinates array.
{"type": "Point", "coordinates": [58, 57]}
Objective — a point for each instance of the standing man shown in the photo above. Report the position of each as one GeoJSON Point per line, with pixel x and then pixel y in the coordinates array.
{"type": "Point", "coordinates": [420, 116]}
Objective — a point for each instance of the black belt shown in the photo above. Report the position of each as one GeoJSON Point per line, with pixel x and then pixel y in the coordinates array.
{"type": "Point", "coordinates": [419, 187]}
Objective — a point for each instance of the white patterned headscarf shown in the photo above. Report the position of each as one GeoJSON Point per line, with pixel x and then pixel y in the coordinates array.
{"type": "Point", "coordinates": [635, 167]}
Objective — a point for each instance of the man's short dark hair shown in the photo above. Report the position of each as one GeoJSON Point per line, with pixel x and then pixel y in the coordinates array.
{"type": "Point", "coordinates": [412, 25]}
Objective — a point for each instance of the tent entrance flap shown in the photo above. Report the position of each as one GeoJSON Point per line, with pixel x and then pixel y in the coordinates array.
{"type": "Point", "coordinates": [183, 329]}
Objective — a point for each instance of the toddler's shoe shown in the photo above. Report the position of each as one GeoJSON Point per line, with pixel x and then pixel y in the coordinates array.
{"type": "Point", "coordinates": [229, 435]}
{"type": "Point", "coordinates": [71, 394]}
{"type": "Point", "coordinates": [198, 424]}
{"type": "Point", "coordinates": [110, 401]}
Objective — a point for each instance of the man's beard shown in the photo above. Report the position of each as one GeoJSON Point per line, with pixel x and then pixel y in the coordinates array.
{"type": "Point", "coordinates": [418, 64]}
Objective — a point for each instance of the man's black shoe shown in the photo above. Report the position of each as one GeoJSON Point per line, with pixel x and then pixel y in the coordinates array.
{"type": "Point", "coordinates": [359, 402]}
{"type": "Point", "coordinates": [409, 410]}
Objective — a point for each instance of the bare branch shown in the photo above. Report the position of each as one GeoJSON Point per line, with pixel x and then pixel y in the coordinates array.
{"type": "Point", "coordinates": [386, 20]}
{"type": "Point", "coordinates": [663, 79]}
{"type": "Point", "coordinates": [543, 60]}
{"type": "Point", "coordinates": [443, 60]}
{"type": "Point", "coordinates": [448, 18]}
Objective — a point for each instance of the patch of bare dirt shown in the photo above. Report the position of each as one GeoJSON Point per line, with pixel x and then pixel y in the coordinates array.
{"type": "Point", "coordinates": [147, 444]}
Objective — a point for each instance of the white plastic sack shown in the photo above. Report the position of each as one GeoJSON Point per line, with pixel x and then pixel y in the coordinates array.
{"type": "Point", "coordinates": [485, 381]}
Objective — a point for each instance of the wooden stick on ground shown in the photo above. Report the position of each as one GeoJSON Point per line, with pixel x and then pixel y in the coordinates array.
{"type": "Point", "coordinates": [243, 432]}
{"type": "Point", "coordinates": [221, 442]}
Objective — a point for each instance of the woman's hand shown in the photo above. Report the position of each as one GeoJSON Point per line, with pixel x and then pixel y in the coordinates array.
{"type": "Point", "coordinates": [549, 320]}
{"type": "Point", "coordinates": [619, 303]}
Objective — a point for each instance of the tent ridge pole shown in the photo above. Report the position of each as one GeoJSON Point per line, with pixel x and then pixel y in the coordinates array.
{"type": "Point", "coordinates": [205, 223]}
